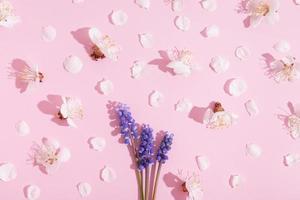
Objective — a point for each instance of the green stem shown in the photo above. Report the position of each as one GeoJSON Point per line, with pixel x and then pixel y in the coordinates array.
{"type": "Point", "coordinates": [156, 181]}
{"type": "Point", "coordinates": [147, 184]}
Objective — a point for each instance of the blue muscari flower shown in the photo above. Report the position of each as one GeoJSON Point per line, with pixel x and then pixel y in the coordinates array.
{"type": "Point", "coordinates": [164, 147]}
{"type": "Point", "coordinates": [146, 148]}
{"type": "Point", "coordinates": [127, 124]}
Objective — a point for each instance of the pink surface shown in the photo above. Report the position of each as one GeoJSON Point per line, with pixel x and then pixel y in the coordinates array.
{"type": "Point", "coordinates": [265, 177]}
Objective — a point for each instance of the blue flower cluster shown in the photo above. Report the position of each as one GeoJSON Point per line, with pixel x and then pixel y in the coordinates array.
{"type": "Point", "coordinates": [127, 124]}
{"type": "Point", "coordinates": [164, 147]}
{"type": "Point", "coordinates": [146, 148]}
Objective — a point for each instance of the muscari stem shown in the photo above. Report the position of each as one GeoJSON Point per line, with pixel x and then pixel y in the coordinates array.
{"type": "Point", "coordinates": [156, 181]}
{"type": "Point", "coordinates": [147, 183]}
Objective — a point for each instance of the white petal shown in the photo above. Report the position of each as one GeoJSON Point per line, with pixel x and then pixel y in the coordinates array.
{"type": "Point", "coordinates": [78, 1]}
{"type": "Point", "coordinates": [51, 143]}
{"type": "Point", "coordinates": [97, 143]}
{"type": "Point", "coordinates": [282, 46]}
{"type": "Point", "coordinates": [119, 17]}
{"type": "Point", "coordinates": [146, 40]}
{"type": "Point", "coordinates": [207, 115]}
{"type": "Point", "coordinates": [212, 31]}
{"type": "Point", "coordinates": [8, 172]}
{"type": "Point", "coordinates": [180, 68]}
{"type": "Point", "coordinates": [137, 69]}
{"type": "Point", "coordinates": [143, 3]}
{"type": "Point", "coordinates": [253, 150]}
{"type": "Point", "coordinates": [177, 5]}
{"type": "Point", "coordinates": [291, 159]}
{"type": "Point", "coordinates": [242, 52]}
{"type": "Point", "coordinates": [297, 2]}
{"type": "Point", "coordinates": [71, 122]}
{"type": "Point", "coordinates": [108, 174]}
{"type": "Point", "coordinates": [48, 33]}
{"type": "Point", "coordinates": [106, 87]}
{"type": "Point", "coordinates": [219, 64]}
{"type": "Point", "coordinates": [183, 23]}
{"type": "Point", "coordinates": [202, 162]}
{"type": "Point", "coordinates": [255, 20]}
{"type": "Point", "coordinates": [32, 192]}
{"type": "Point", "coordinates": [10, 21]}
{"type": "Point", "coordinates": [184, 105]}
{"type": "Point", "coordinates": [234, 181]}
{"type": "Point", "coordinates": [84, 189]}
{"type": "Point", "coordinates": [73, 64]}
{"type": "Point", "coordinates": [251, 108]}
{"type": "Point", "coordinates": [156, 99]}
{"type": "Point", "coordinates": [64, 154]}
{"type": "Point", "coordinates": [237, 87]}
{"type": "Point", "coordinates": [95, 35]}
{"type": "Point", "coordinates": [209, 5]}
{"type": "Point", "coordinates": [22, 128]}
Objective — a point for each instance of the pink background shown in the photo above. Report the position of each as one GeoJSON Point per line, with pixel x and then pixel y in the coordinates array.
{"type": "Point", "coordinates": [265, 177]}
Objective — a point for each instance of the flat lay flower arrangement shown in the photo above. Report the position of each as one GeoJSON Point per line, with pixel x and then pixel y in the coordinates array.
{"type": "Point", "coordinates": [150, 99]}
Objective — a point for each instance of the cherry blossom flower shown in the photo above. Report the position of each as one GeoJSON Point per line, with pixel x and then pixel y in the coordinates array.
{"type": "Point", "coordinates": [49, 155]}
{"type": "Point", "coordinates": [181, 62]}
{"type": "Point", "coordinates": [218, 118]}
{"type": "Point", "coordinates": [260, 10]}
{"type": "Point", "coordinates": [7, 17]}
{"type": "Point", "coordinates": [286, 69]}
{"type": "Point", "coordinates": [71, 110]}
{"type": "Point", "coordinates": [293, 122]}
{"type": "Point", "coordinates": [104, 46]}
{"type": "Point", "coordinates": [191, 185]}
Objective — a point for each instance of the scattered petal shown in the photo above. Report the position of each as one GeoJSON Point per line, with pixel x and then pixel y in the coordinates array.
{"type": "Point", "coordinates": [291, 159]}
{"type": "Point", "coordinates": [183, 23]}
{"type": "Point", "coordinates": [209, 5]}
{"type": "Point", "coordinates": [32, 192]}
{"type": "Point", "coordinates": [297, 2]}
{"type": "Point", "coordinates": [211, 31]}
{"type": "Point", "coordinates": [253, 150]}
{"type": "Point", "coordinates": [177, 5]}
{"type": "Point", "coordinates": [119, 17]}
{"type": "Point", "coordinates": [242, 52]}
{"type": "Point", "coordinates": [137, 69]}
{"type": "Point", "coordinates": [84, 189]}
{"type": "Point", "coordinates": [22, 128]}
{"type": "Point", "coordinates": [65, 154]}
{"type": "Point", "coordinates": [234, 181]}
{"type": "Point", "coordinates": [202, 162]}
{"type": "Point", "coordinates": [97, 143]}
{"type": "Point", "coordinates": [108, 174]}
{"type": "Point", "coordinates": [184, 105]}
{"type": "Point", "coordinates": [146, 40]}
{"type": "Point", "coordinates": [143, 3]}
{"type": "Point", "coordinates": [106, 87]}
{"type": "Point", "coordinates": [282, 46]}
{"type": "Point", "coordinates": [8, 172]}
{"type": "Point", "coordinates": [48, 33]}
{"type": "Point", "coordinates": [156, 99]}
{"type": "Point", "coordinates": [73, 64]}
{"type": "Point", "coordinates": [219, 64]}
{"type": "Point", "coordinates": [251, 108]}
{"type": "Point", "coordinates": [237, 87]}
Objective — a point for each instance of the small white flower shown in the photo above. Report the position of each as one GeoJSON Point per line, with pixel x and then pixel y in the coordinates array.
{"type": "Point", "coordinates": [73, 64]}
{"type": "Point", "coordinates": [242, 52]}
{"type": "Point", "coordinates": [212, 31]}
{"type": "Point", "coordinates": [219, 64]}
{"type": "Point", "coordinates": [108, 174]}
{"type": "Point", "coordinates": [181, 61]}
{"type": "Point", "coordinates": [97, 143]}
{"type": "Point", "coordinates": [183, 23]}
{"type": "Point", "coordinates": [184, 105]}
{"type": "Point", "coordinates": [209, 5]}
{"type": "Point", "coordinates": [49, 155]}
{"type": "Point", "coordinates": [8, 172]}
{"type": "Point", "coordinates": [286, 69]}
{"type": "Point", "coordinates": [191, 185]}
{"type": "Point", "coordinates": [259, 10]}
{"type": "Point", "coordinates": [30, 75]}
{"type": "Point", "coordinates": [146, 40]}
{"type": "Point", "coordinates": [106, 87]}
{"type": "Point", "coordinates": [218, 118]}
{"type": "Point", "coordinates": [32, 192]}
{"type": "Point", "coordinates": [7, 17]}
{"type": "Point", "coordinates": [119, 17]}
{"type": "Point", "coordinates": [84, 189]}
{"type": "Point", "coordinates": [104, 46]}
{"type": "Point", "coordinates": [71, 110]}
{"type": "Point", "coordinates": [237, 87]}
{"type": "Point", "coordinates": [137, 69]}
{"type": "Point", "coordinates": [235, 181]}
{"type": "Point", "coordinates": [156, 99]}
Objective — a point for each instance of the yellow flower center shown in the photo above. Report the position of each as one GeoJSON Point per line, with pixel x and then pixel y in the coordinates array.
{"type": "Point", "coordinates": [262, 9]}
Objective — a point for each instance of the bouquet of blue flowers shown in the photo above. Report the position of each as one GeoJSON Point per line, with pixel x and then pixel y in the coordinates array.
{"type": "Point", "coordinates": [140, 142]}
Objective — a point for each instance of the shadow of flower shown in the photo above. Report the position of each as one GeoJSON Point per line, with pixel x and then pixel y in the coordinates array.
{"type": "Point", "coordinates": [174, 182]}
{"type": "Point", "coordinates": [197, 113]}
{"type": "Point", "coordinates": [268, 60]}
{"type": "Point", "coordinates": [162, 62]}
{"type": "Point", "coordinates": [18, 66]}
{"type": "Point", "coordinates": [82, 36]}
